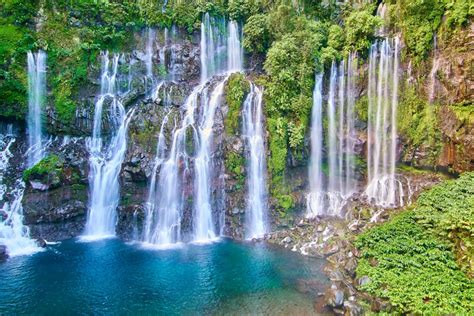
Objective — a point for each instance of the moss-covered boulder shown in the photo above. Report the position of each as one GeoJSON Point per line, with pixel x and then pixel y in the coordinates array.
{"type": "Point", "coordinates": [46, 174]}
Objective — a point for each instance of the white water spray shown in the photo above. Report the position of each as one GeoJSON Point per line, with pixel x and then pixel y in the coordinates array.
{"type": "Point", "coordinates": [13, 234]}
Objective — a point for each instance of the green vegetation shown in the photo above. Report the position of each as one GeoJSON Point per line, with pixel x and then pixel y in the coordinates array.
{"type": "Point", "coordinates": [419, 20]}
{"type": "Point", "coordinates": [421, 260]}
{"type": "Point", "coordinates": [418, 122]}
{"type": "Point", "coordinates": [237, 87]}
{"type": "Point", "coordinates": [50, 166]}
{"type": "Point", "coordinates": [235, 164]}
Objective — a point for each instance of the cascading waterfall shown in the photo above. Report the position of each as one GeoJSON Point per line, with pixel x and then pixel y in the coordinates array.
{"type": "Point", "coordinates": [163, 215]}
{"type": "Point", "coordinates": [203, 223]}
{"type": "Point", "coordinates": [220, 52]}
{"type": "Point", "coordinates": [151, 34]}
{"type": "Point", "coordinates": [234, 48]}
{"type": "Point", "coordinates": [165, 204]}
{"type": "Point", "coordinates": [253, 132]}
{"type": "Point", "coordinates": [383, 188]}
{"type": "Point", "coordinates": [315, 198]}
{"type": "Point", "coordinates": [36, 101]}
{"type": "Point", "coordinates": [13, 234]}
{"type": "Point", "coordinates": [341, 135]}
{"type": "Point", "coordinates": [106, 161]}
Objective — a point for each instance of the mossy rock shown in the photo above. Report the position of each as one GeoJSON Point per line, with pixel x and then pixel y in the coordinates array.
{"type": "Point", "coordinates": [236, 89]}
{"type": "Point", "coordinates": [46, 174]}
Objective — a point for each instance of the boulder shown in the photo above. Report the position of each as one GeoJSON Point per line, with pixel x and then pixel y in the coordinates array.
{"type": "Point", "coordinates": [3, 253]}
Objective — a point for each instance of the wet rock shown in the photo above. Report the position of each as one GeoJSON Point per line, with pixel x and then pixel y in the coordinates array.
{"type": "Point", "coordinates": [364, 280]}
{"type": "Point", "coordinates": [350, 267]}
{"type": "Point", "coordinates": [336, 275]}
{"type": "Point", "coordinates": [3, 253]}
{"type": "Point", "coordinates": [330, 249]}
{"type": "Point", "coordinates": [334, 297]}
{"type": "Point", "coordinates": [36, 185]}
{"type": "Point", "coordinates": [352, 309]}
{"type": "Point", "coordinates": [41, 242]}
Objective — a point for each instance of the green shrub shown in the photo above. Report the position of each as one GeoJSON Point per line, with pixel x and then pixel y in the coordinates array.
{"type": "Point", "coordinates": [234, 164]}
{"type": "Point", "coordinates": [237, 87]}
{"type": "Point", "coordinates": [418, 20]}
{"type": "Point", "coordinates": [257, 34]}
{"type": "Point", "coordinates": [49, 165]}
{"type": "Point", "coordinates": [411, 260]}
{"type": "Point", "coordinates": [359, 29]}
{"type": "Point", "coordinates": [459, 12]}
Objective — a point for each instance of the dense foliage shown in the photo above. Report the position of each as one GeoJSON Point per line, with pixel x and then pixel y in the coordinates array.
{"type": "Point", "coordinates": [421, 259]}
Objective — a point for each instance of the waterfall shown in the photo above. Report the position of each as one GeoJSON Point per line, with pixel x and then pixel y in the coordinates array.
{"type": "Point", "coordinates": [106, 161]}
{"type": "Point", "coordinates": [383, 188]}
{"type": "Point", "coordinates": [340, 140]}
{"type": "Point", "coordinates": [172, 167]}
{"type": "Point", "coordinates": [36, 102]}
{"type": "Point", "coordinates": [315, 198]}
{"type": "Point", "coordinates": [203, 223]}
{"type": "Point", "coordinates": [220, 52]}
{"type": "Point", "coordinates": [151, 34]}
{"type": "Point", "coordinates": [234, 48]}
{"type": "Point", "coordinates": [253, 133]}
{"type": "Point", "coordinates": [163, 214]}
{"type": "Point", "coordinates": [13, 234]}
{"type": "Point", "coordinates": [434, 71]}
{"type": "Point", "coordinates": [341, 135]}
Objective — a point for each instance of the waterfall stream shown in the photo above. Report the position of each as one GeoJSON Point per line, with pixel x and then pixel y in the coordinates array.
{"type": "Point", "coordinates": [36, 101]}
{"type": "Point", "coordinates": [106, 161]}
{"type": "Point", "coordinates": [253, 132]}
{"type": "Point", "coordinates": [220, 54]}
{"type": "Point", "coordinates": [315, 198]}
{"type": "Point", "coordinates": [384, 188]}
{"type": "Point", "coordinates": [13, 234]}
{"type": "Point", "coordinates": [340, 136]}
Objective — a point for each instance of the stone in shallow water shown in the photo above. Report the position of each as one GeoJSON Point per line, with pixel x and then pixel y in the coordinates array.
{"type": "Point", "coordinates": [364, 280]}
{"type": "Point", "coordinates": [3, 253]}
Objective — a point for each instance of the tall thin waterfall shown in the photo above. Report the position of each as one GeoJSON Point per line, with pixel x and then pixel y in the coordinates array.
{"type": "Point", "coordinates": [340, 134]}
{"type": "Point", "coordinates": [234, 48]}
{"type": "Point", "coordinates": [434, 71]}
{"type": "Point", "coordinates": [106, 161]}
{"type": "Point", "coordinates": [203, 222]}
{"type": "Point", "coordinates": [220, 52]}
{"type": "Point", "coordinates": [163, 214]}
{"type": "Point", "coordinates": [36, 102]}
{"type": "Point", "coordinates": [383, 188]}
{"type": "Point", "coordinates": [151, 34]}
{"type": "Point", "coordinates": [253, 132]}
{"type": "Point", "coordinates": [13, 234]}
{"type": "Point", "coordinates": [315, 198]}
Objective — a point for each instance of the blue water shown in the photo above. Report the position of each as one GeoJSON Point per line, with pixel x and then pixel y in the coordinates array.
{"type": "Point", "coordinates": [111, 277]}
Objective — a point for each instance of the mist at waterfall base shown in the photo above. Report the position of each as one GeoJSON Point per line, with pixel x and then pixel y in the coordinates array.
{"type": "Point", "coordinates": [111, 277]}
